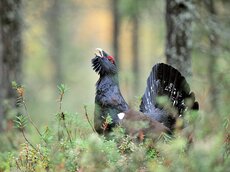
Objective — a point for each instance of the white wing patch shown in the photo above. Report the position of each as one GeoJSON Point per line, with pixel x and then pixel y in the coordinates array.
{"type": "Point", "coordinates": [121, 115]}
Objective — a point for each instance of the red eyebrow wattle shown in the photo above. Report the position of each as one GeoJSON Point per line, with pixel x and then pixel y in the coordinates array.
{"type": "Point", "coordinates": [111, 58]}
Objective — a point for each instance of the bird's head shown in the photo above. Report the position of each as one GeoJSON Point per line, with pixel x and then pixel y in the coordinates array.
{"type": "Point", "coordinates": [103, 63]}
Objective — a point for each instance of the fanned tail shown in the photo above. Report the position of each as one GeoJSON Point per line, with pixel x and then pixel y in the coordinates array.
{"type": "Point", "coordinates": [164, 80]}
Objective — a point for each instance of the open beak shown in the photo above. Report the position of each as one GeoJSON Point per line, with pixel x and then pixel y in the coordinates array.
{"type": "Point", "coordinates": [99, 52]}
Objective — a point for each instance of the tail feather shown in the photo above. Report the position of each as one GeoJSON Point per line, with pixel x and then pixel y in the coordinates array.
{"type": "Point", "coordinates": [164, 80]}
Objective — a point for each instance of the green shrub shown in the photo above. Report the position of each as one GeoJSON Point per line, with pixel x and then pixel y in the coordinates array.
{"type": "Point", "coordinates": [70, 144]}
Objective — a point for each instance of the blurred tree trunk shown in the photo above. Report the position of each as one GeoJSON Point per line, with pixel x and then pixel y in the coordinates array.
{"type": "Point", "coordinates": [55, 38]}
{"type": "Point", "coordinates": [116, 30]}
{"type": "Point", "coordinates": [179, 34]}
{"type": "Point", "coordinates": [135, 52]}
{"type": "Point", "coordinates": [212, 62]}
{"type": "Point", "coordinates": [10, 53]}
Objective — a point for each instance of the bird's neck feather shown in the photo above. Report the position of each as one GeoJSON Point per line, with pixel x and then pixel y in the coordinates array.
{"type": "Point", "coordinates": [112, 79]}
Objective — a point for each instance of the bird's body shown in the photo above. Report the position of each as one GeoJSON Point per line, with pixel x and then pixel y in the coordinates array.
{"type": "Point", "coordinates": [164, 80]}
{"type": "Point", "coordinates": [141, 125]}
{"type": "Point", "coordinates": [108, 101]}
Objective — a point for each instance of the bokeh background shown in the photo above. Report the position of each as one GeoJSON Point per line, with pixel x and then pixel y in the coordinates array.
{"type": "Point", "coordinates": [60, 36]}
{"type": "Point", "coordinates": [45, 43]}
{"type": "Point", "coordinates": [60, 41]}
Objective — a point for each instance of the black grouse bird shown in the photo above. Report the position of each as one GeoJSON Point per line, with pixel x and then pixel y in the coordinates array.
{"type": "Point", "coordinates": [164, 80]}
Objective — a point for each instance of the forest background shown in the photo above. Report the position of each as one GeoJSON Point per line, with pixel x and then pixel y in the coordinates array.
{"type": "Point", "coordinates": [55, 41]}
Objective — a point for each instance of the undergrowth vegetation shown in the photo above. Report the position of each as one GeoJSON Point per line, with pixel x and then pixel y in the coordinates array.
{"type": "Point", "coordinates": [70, 143]}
